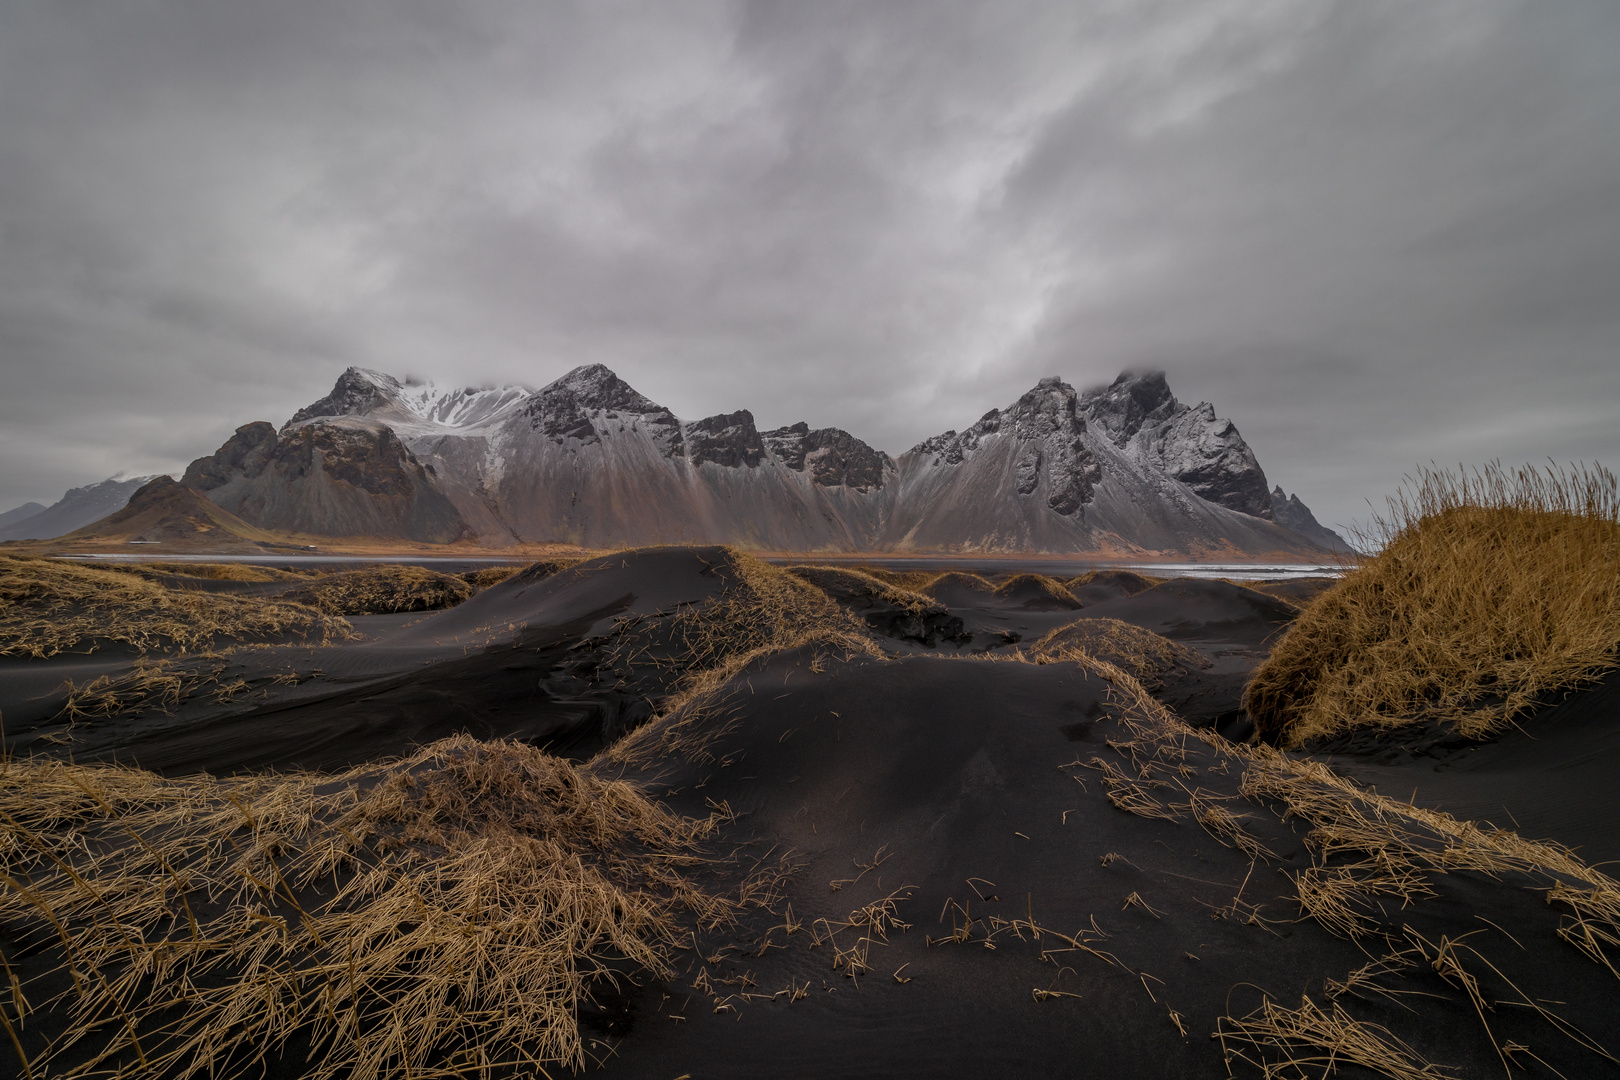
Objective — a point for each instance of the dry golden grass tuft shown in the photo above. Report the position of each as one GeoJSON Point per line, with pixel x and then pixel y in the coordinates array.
{"type": "Point", "coordinates": [380, 590]}
{"type": "Point", "coordinates": [911, 580]}
{"type": "Point", "coordinates": [490, 575]}
{"type": "Point", "coordinates": [762, 610]}
{"type": "Point", "coordinates": [1148, 656]}
{"type": "Point", "coordinates": [1039, 584]}
{"type": "Point", "coordinates": [842, 584]}
{"type": "Point", "coordinates": [1129, 580]}
{"type": "Point", "coordinates": [442, 915]}
{"type": "Point", "coordinates": [209, 571]}
{"type": "Point", "coordinates": [49, 606]}
{"type": "Point", "coordinates": [956, 579]}
{"type": "Point", "coordinates": [1491, 590]}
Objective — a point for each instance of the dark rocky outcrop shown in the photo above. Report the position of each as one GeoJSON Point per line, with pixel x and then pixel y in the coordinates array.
{"type": "Point", "coordinates": [357, 393]}
{"type": "Point", "coordinates": [340, 477]}
{"type": "Point", "coordinates": [831, 457]}
{"type": "Point", "coordinates": [729, 440]}
{"type": "Point", "coordinates": [1191, 445]}
{"type": "Point", "coordinates": [1294, 515]}
{"type": "Point", "coordinates": [245, 453]}
{"type": "Point", "coordinates": [572, 407]}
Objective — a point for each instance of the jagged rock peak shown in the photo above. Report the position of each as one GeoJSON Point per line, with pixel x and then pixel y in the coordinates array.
{"type": "Point", "coordinates": [1050, 432]}
{"type": "Point", "coordinates": [831, 456]}
{"type": "Point", "coordinates": [1291, 513]}
{"type": "Point", "coordinates": [357, 392]}
{"type": "Point", "coordinates": [1129, 403]}
{"type": "Point", "coordinates": [365, 392]}
{"type": "Point", "coordinates": [728, 439]}
{"type": "Point", "coordinates": [572, 406]}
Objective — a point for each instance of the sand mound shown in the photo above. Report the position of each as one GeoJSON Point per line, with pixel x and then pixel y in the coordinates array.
{"type": "Point", "coordinates": [1045, 844]}
{"type": "Point", "coordinates": [48, 607]}
{"type": "Point", "coordinates": [1095, 586]}
{"type": "Point", "coordinates": [1147, 656]}
{"type": "Point", "coordinates": [491, 575]}
{"type": "Point", "coordinates": [885, 608]}
{"type": "Point", "coordinates": [1036, 592]}
{"type": "Point", "coordinates": [1201, 609]}
{"type": "Point", "coordinates": [445, 914]}
{"type": "Point", "coordinates": [912, 580]}
{"type": "Point", "coordinates": [380, 590]}
{"type": "Point", "coordinates": [955, 589]}
{"type": "Point", "coordinates": [1490, 593]}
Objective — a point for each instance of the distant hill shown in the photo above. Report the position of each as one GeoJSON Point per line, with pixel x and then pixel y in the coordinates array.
{"type": "Point", "coordinates": [167, 512]}
{"type": "Point", "coordinates": [1124, 469]}
{"type": "Point", "coordinates": [19, 514]}
{"type": "Point", "coordinates": [74, 510]}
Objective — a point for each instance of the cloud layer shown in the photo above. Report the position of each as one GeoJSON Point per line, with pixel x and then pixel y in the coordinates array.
{"type": "Point", "coordinates": [1372, 233]}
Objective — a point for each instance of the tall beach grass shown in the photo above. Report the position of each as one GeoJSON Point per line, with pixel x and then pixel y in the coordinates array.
{"type": "Point", "coordinates": [1488, 592]}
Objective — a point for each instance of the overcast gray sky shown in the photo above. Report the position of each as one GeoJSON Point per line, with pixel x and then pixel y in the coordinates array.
{"type": "Point", "coordinates": [1371, 233]}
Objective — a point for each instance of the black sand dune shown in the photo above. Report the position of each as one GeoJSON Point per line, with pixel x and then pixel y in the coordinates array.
{"type": "Point", "coordinates": [958, 792]}
{"type": "Point", "coordinates": [1201, 610]}
{"type": "Point", "coordinates": [1100, 585]}
{"type": "Point", "coordinates": [484, 667]}
{"type": "Point", "coordinates": [1030, 592]}
{"type": "Point", "coordinates": [998, 868]}
{"type": "Point", "coordinates": [1552, 775]}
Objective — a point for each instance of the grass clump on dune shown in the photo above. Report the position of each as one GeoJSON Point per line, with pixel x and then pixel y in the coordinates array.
{"type": "Point", "coordinates": [847, 585]}
{"type": "Point", "coordinates": [489, 575]}
{"type": "Point", "coordinates": [911, 580]}
{"type": "Point", "coordinates": [1490, 591]}
{"type": "Point", "coordinates": [1146, 656]}
{"type": "Point", "coordinates": [1038, 589]}
{"type": "Point", "coordinates": [1127, 581]}
{"type": "Point", "coordinates": [49, 606]}
{"type": "Point", "coordinates": [762, 610]}
{"type": "Point", "coordinates": [381, 590]}
{"type": "Point", "coordinates": [164, 571]}
{"type": "Point", "coordinates": [447, 914]}
{"type": "Point", "coordinates": [956, 580]}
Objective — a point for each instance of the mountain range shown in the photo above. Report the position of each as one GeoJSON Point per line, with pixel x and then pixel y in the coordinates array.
{"type": "Point", "coordinates": [1121, 470]}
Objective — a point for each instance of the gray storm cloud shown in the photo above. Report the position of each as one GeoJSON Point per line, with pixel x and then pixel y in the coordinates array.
{"type": "Point", "coordinates": [1373, 234]}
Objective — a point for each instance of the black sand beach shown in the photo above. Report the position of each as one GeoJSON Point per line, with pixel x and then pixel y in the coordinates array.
{"type": "Point", "coordinates": [994, 861]}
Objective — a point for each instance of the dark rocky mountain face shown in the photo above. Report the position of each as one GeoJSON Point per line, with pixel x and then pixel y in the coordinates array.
{"type": "Point", "coordinates": [1051, 436]}
{"type": "Point", "coordinates": [588, 460]}
{"type": "Point", "coordinates": [1122, 468]}
{"type": "Point", "coordinates": [1191, 445]}
{"type": "Point", "coordinates": [1295, 515]}
{"type": "Point", "coordinates": [77, 508]}
{"type": "Point", "coordinates": [591, 401]}
{"type": "Point", "coordinates": [342, 477]}
{"type": "Point", "coordinates": [357, 393]}
{"type": "Point", "coordinates": [831, 457]}
{"type": "Point", "coordinates": [729, 440]}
